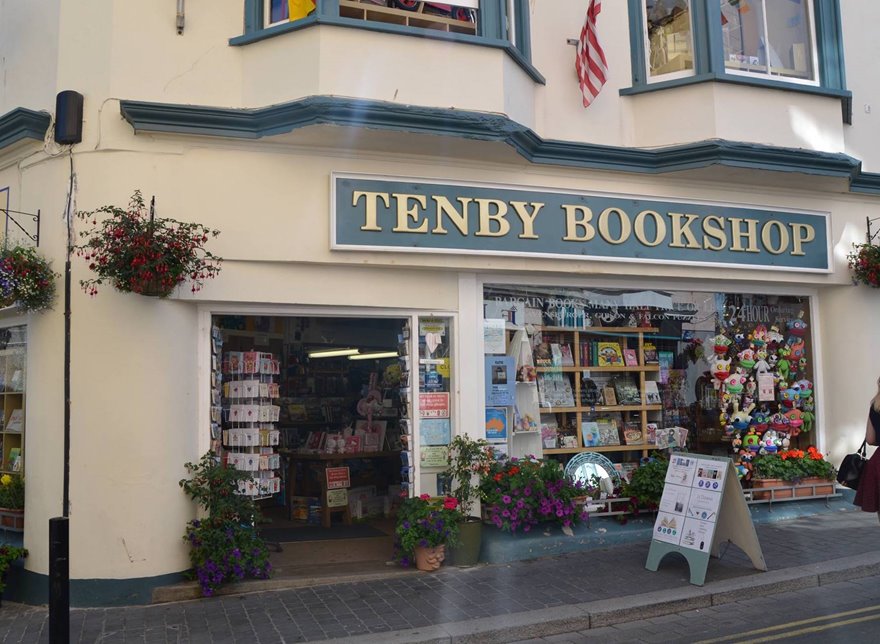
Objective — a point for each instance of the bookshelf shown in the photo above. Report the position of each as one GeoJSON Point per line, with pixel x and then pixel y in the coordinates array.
{"type": "Point", "coordinates": [12, 399]}
{"type": "Point", "coordinates": [615, 358]}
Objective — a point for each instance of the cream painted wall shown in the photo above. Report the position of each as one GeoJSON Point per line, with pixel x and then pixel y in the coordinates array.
{"type": "Point", "coordinates": [28, 54]}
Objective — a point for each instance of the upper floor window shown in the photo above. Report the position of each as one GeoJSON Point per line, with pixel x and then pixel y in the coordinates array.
{"type": "Point", "coordinates": [772, 38]}
{"type": "Point", "coordinates": [793, 42]}
{"type": "Point", "coordinates": [495, 23]}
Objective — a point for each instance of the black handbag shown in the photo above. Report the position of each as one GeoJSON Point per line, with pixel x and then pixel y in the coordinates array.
{"type": "Point", "coordinates": [850, 471]}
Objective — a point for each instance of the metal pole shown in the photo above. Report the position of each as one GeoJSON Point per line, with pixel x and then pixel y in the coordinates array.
{"type": "Point", "coordinates": [59, 581]}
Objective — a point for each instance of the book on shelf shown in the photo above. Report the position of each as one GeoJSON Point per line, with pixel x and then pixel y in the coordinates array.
{"type": "Point", "coordinates": [652, 393]}
{"type": "Point", "coordinates": [609, 354]}
{"type": "Point", "coordinates": [632, 434]}
{"type": "Point", "coordinates": [555, 355]}
{"type": "Point", "coordinates": [549, 431]}
{"type": "Point", "coordinates": [586, 354]}
{"type": "Point", "coordinates": [590, 433]}
{"type": "Point", "coordinates": [608, 432]}
{"type": "Point", "coordinates": [609, 397]}
{"type": "Point", "coordinates": [650, 353]}
{"type": "Point", "coordinates": [651, 433]}
{"type": "Point", "coordinates": [16, 421]}
{"type": "Point", "coordinates": [554, 390]}
{"type": "Point", "coordinates": [567, 356]}
{"type": "Point", "coordinates": [629, 358]}
{"type": "Point", "coordinates": [627, 391]}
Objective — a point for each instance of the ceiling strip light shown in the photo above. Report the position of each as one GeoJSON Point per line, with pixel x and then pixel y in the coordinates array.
{"type": "Point", "coordinates": [332, 353]}
{"type": "Point", "coordinates": [373, 356]}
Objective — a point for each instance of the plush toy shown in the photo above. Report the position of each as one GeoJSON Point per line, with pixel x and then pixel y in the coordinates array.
{"type": "Point", "coordinates": [758, 337]}
{"type": "Point", "coordinates": [802, 366]}
{"type": "Point", "coordinates": [789, 397]}
{"type": "Point", "coordinates": [795, 420]}
{"type": "Point", "coordinates": [761, 419]}
{"type": "Point", "coordinates": [761, 365]}
{"type": "Point", "coordinates": [751, 441]}
{"type": "Point", "coordinates": [741, 418]}
{"type": "Point", "coordinates": [735, 382]}
{"type": "Point", "coordinates": [778, 423]}
{"type": "Point", "coordinates": [720, 344]}
{"type": "Point", "coordinates": [797, 349]}
{"type": "Point", "coordinates": [807, 414]}
{"type": "Point", "coordinates": [806, 388]}
{"type": "Point", "coordinates": [772, 359]}
{"type": "Point", "coordinates": [751, 387]}
{"type": "Point", "coordinates": [783, 365]}
{"type": "Point", "coordinates": [774, 338]}
{"type": "Point", "coordinates": [797, 326]}
{"type": "Point", "coordinates": [746, 358]}
{"type": "Point", "coordinates": [770, 441]}
{"type": "Point", "coordinates": [720, 370]}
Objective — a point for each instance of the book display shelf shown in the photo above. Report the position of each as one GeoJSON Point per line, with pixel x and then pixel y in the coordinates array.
{"type": "Point", "coordinates": [12, 401]}
{"type": "Point", "coordinates": [597, 388]}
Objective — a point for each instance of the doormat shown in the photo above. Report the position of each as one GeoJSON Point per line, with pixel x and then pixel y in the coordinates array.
{"type": "Point", "coordinates": [320, 533]}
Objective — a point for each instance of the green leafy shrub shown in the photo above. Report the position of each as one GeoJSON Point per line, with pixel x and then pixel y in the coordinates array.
{"type": "Point", "coordinates": [224, 546]}
{"type": "Point", "coordinates": [645, 486]}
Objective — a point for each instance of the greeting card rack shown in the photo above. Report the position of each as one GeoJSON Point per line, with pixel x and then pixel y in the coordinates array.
{"type": "Point", "coordinates": [407, 462]}
{"type": "Point", "coordinates": [250, 439]}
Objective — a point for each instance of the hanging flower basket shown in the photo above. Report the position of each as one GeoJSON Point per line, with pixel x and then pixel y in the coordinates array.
{"type": "Point", "coordinates": [26, 279]}
{"type": "Point", "coordinates": [136, 252]}
{"type": "Point", "coordinates": [864, 262]}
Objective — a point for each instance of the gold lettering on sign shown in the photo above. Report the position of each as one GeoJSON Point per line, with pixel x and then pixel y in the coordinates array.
{"type": "Point", "coordinates": [528, 221]}
{"type": "Point", "coordinates": [487, 217]}
{"type": "Point", "coordinates": [605, 230]}
{"type": "Point", "coordinates": [659, 225]}
{"type": "Point", "coordinates": [801, 234]}
{"type": "Point", "coordinates": [371, 222]}
{"type": "Point", "coordinates": [458, 219]}
{"type": "Point", "coordinates": [678, 230]}
{"type": "Point", "coordinates": [405, 212]}
{"type": "Point", "coordinates": [572, 223]}
{"type": "Point", "coordinates": [767, 240]}
{"type": "Point", "coordinates": [713, 226]}
{"type": "Point", "coordinates": [737, 234]}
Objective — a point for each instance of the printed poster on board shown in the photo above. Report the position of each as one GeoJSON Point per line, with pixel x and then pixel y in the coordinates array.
{"type": "Point", "coordinates": [500, 381]}
{"type": "Point", "coordinates": [435, 431]}
{"type": "Point", "coordinates": [434, 405]}
{"type": "Point", "coordinates": [496, 424]}
{"type": "Point", "coordinates": [494, 336]}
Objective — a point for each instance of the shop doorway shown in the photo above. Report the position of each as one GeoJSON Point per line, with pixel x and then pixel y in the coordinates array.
{"type": "Point", "coordinates": [311, 405]}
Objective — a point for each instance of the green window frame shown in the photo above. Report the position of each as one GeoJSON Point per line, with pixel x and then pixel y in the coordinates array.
{"type": "Point", "coordinates": [492, 28]}
{"type": "Point", "coordinates": [709, 53]}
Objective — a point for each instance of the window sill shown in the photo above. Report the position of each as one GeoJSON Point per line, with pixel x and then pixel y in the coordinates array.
{"type": "Point", "coordinates": [736, 80]}
{"type": "Point", "coordinates": [418, 32]}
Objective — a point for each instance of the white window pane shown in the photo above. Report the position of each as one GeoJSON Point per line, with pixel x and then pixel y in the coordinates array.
{"type": "Point", "coordinates": [789, 31]}
{"type": "Point", "coordinates": [670, 44]}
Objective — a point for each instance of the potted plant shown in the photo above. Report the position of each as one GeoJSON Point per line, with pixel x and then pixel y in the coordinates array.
{"type": "Point", "coordinates": [26, 279]}
{"type": "Point", "coordinates": [645, 485]}
{"type": "Point", "coordinates": [864, 262]}
{"type": "Point", "coordinates": [224, 545]}
{"type": "Point", "coordinates": [12, 502]}
{"type": "Point", "coordinates": [8, 556]}
{"type": "Point", "coordinates": [137, 252]}
{"type": "Point", "coordinates": [468, 459]}
{"type": "Point", "coordinates": [518, 494]}
{"type": "Point", "coordinates": [425, 526]}
{"type": "Point", "coordinates": [789, 468]}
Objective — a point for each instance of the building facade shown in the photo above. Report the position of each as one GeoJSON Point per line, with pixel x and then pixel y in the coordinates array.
{"type": "Point", "coordinates": [432, 174]}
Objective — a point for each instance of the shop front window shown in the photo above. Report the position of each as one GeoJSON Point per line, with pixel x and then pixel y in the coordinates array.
{"type": "Point", "coordinates": [13, 381]}
{"type": "Point", "coordinates": [627, 372]}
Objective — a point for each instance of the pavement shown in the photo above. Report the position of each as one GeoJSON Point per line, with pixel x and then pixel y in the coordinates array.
{"type": "Point", "coordinates": [514, 601]}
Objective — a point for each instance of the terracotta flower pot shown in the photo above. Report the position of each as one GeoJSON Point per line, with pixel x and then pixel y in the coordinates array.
{"type": "Point", "coordinates": [818, 486]}
{"type": "Point", "coordinates": [429, 559]}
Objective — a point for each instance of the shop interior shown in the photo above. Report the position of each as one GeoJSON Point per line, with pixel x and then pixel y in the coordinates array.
{"type": "Point", "coordinates": [312, 406]}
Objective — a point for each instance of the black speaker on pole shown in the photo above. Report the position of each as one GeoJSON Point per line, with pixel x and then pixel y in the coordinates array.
{"type": "Point", "coordinates": [68, 117]}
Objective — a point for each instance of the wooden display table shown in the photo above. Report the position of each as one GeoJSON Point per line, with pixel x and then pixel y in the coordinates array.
{"type": "Point", "coordinates": [318, 462]}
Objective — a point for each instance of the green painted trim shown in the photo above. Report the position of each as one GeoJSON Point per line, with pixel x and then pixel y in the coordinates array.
{"type": "Point", "coordinates": [28, 587]}
{"type": "Point", "coordinates": [328, 110]}
{"type": "Point", "coordinates": [637, 43]}
{"type": "Point", "coordinates": [737, 80]}
{"type": "Point", "coordinates": [22, 123]}
{"type": "Point", "coordinates": [327, 13]}
{"type": "Point", "coordinates": [832, 70]}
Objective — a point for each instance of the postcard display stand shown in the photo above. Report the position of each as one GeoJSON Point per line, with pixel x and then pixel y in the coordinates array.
{"type": "Point", "coordinates": [407, 464]}
{"type": "Point", "coordinates": [702, 506]}
{"type": "Point", "coordinates": [597, 388]}
{"type": "Point", "coordinates": [250, 439]}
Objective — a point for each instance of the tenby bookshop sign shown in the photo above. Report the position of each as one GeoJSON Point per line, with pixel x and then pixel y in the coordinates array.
{"type": "Point", "coordinates": [414, 215]}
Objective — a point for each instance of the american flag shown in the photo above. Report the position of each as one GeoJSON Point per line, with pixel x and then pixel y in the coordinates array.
{"type": "Point", "coordinates": [590, 62]}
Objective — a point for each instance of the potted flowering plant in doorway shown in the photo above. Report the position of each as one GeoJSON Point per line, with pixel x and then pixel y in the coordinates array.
{"type": "Point", "coordinates": [137, 252]}
{"type": "Point", "coordinates": [425, 526]}
{"type": "Point", "coordinates": [468, 460]}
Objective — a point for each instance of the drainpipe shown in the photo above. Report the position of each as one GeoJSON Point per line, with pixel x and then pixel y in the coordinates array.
{"type": "Point", "coordinates": [180, 16]}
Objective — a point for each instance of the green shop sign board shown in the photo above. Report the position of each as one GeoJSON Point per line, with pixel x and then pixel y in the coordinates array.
{"type": "Point", "coordinates": [397, 215]}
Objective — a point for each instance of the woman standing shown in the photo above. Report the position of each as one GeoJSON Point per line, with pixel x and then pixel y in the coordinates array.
{"type": "Point", "coordinates": [868, 494]}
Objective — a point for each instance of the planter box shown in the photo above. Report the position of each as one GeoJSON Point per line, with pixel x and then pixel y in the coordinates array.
{"type": "Point", "coordinates": [814, 486]}
{"type": "Point", "coordinates": [786, 493]}
{"type": "Point", "coordinates": [12, 519]}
